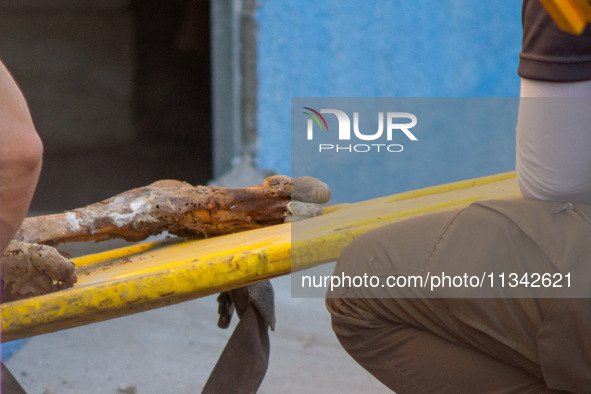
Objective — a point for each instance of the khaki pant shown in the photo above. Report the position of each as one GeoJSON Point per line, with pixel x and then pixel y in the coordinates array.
{"type": "Point", "coordinates": [426, 342]}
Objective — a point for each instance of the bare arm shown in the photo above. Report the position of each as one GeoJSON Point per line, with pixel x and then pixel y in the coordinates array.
{"type": "Point", "coordinates": [21, 154]}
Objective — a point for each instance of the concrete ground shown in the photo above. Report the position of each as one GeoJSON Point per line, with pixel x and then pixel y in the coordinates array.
{"type": "Point", "coordinates": [173, 350]}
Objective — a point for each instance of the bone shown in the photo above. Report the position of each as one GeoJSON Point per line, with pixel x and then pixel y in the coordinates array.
{"type": "Point", "coordinates": [297, 210]}
{"type": "Point", "coordinates": [310, 190]}
{"type": "Point", "coordinates": [176, 207]}
{"type": "Point", "coordinates": [30, 270]}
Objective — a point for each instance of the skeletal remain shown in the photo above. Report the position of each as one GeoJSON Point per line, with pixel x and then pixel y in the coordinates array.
{"type": "Point", "coordinates": [298, 210]}
{"type": "Point", "coordinates": [177, 207]}
{"type": "Point", "coordinates": [29, 270]}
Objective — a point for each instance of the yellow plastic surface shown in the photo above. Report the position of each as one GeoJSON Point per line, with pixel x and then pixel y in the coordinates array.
{"type": "Point", "coordinates": [570, 16]}
{"type": "Point", "coordinates": [150, 275]}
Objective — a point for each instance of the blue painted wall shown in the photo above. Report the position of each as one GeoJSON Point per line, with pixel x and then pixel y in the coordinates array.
{"type": "Point", "coordinates": [384, 48]}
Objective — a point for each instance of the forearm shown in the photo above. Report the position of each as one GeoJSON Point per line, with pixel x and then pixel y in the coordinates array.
{"type": "Point", "coordinates": [553, 140]}
{"type": "Point", "coordinates": [20, 157]}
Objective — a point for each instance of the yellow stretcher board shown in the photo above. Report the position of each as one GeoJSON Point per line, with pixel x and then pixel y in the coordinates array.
{"type": "Point", "coordinates": [150, 275]}
{"type": "Point", "coordinates": [570, 16]}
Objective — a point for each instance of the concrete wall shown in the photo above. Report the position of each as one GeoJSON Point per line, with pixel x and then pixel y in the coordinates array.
{"type": "Point", "coordinates": [385, 48]}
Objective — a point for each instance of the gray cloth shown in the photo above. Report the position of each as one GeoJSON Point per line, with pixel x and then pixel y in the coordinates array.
{"type": "Point", "coordinates": [244, 361]}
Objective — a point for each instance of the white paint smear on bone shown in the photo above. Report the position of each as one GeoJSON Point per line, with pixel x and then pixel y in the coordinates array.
{"type": "Point", "coordinates": [138, 206]}
{"type": "Point", "coordinates": [73, 222]}
{"type": "Point", "coordinates": [118, 201]}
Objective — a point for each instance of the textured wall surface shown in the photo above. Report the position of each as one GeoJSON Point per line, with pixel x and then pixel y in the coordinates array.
{"type": "Point", "coordinates": [388, 48]}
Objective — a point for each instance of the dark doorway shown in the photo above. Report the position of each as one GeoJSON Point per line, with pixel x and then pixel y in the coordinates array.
{"type": "Point", "coordinates": [172, 100]}
{"type": "Point", "coordinates": [169, 99]}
